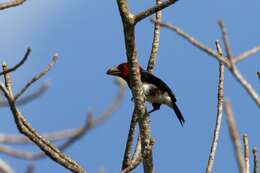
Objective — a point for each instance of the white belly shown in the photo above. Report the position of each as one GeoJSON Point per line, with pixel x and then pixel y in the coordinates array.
{"type": "Point", "coordinates": [154, 95]}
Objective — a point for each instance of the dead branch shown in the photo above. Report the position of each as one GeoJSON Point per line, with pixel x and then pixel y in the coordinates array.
{"type": "Point", "coordinates": [234, 136]}
{"type": "Point", "coordinates": [25, 128]}
{"type": "Point", "coordinates": [219, 113]}
{"type": "Point", "coordinates": [226, 40]}
{"type": "Point", "coordinates": [129, 21]}
{"type": "Point", "coordinates": [72, 135]}
{"type": "Point", "coordinates": [153, 10]}
{"type": "Point", "coordinates": [246, 54]}
{"type": "Point", "coordinates": [27, 99]}
{"type": "Point", "coordinates": [246, 153]}
{"type": "Point", "coordinates": [233, 69]}
{"type": "Point", "coordinates": [38, 76]}
{"type": "Point", "coordinates": [255, 154]}
{"type": "Point", "coordinates": [129, 143]}
{"type": "Point", "coordinates": [10, 4]}
{"type": "Point", "coordinates": [20, 63]}
{"type": "Point", "coordinates": [194, 42]}
{"type": "Point", "coordinates": [156, 40]}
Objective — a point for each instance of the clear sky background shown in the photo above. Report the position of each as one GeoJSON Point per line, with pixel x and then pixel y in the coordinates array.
{"type": "Point", "coordinates": [88, 36]}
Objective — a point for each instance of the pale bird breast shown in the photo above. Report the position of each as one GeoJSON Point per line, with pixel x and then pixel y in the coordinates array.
{"type": "Point", "coordinates": [155, 95]}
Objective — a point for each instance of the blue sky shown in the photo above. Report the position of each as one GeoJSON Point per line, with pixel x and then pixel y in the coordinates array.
{"type": "Point", "coordinates": [89, 39]}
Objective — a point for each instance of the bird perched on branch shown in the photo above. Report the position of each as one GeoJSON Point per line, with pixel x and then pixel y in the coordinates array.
{"type": "Point", "coordinates": [155, 90]}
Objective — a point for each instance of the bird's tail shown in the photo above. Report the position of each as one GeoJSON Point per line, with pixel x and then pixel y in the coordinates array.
{"type": "Point", "coordinates": [178, 113]}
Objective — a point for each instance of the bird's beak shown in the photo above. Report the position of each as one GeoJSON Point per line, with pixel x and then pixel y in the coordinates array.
{"type": "Point", "coordinates": [114, 71]}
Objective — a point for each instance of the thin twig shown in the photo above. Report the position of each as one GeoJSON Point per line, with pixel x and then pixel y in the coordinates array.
{"type": "Point", "coordinates": [38, 76]}
{"type": "Point", "coordinates": [19, 64]}
{"type": "Point", "coordinates": [248, 87]}
{"type": "Point", "coordinates": [129, 143]}
{"type": "Point", "coordinates": [246, 153]}
{"type": "Point", "coordinates": [10, 4]}
{"type": "Point", "coordinates": [234, 136]}
{"type": "Point", "coordinates": [246, 54]}
{"type": "Point", "coordinates": [226, 40]}
{"type": "Point", "coordinates": [72, 135]}
{"type": "Point", "coordinates": [153, 10]}
{"type": "Point", "coordinates": [31, 97]}
{"type": "Point", "coordinates": [219, 113]}
{"type": "Point", "coordinates": [136, 158]}
{"type": "Point", "coordinates": [255, 154]}
{"type": "Point", "coordinates": [194, 42]}
{"type": "Point", "coordinates": [156, 40]}
{"type": "Point", "coordinates": [25, 128]}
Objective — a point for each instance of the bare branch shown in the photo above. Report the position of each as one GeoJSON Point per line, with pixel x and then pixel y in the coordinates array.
{"type": "Point", "coordinates": [4, 167]}
{"type": "Point", "coordinates": [136, 158]}
{"type": "Point", "coordinates": [247, 86]}
{"type": "Point", "coordinates": [73, 135]}
{"type": "Point", "coordinates": [129, 143]}
{"type": "Point", "coordinates": [153, 10]}
{"type": "Point", "coordinates": [38, 76]}
{"type": "Point", "coordinates": [136, 84]}
{"type": "Point", "coordinates": [156, 40]}
{"type": "Point", "coordinates": [226, 40]}
{"type": "Point", "coordinates": [246, 54]}
{"type": "Point", "coordinates": [25, 128]}
{"type": "Point", "coordinates": [219, 113]}
{"type": "Point", "coordinates": [10, 4]}
{"type": "Point", "coordinates": [54, 136]}
{"type": "Point", "coordinates": [194, 42]}
{"type": "Point", "coordinates": [258, 74]}
{"type": "Point", "coordinates": [246, 153]}
{"type": "Point", "coordinates": [19, 64]}
{"type": "Point", "coordinates": [234, 136]}
{"type": "Point", "coordinates": [255, 160]}
{"type": "Point", "coordinates": [27, 99]}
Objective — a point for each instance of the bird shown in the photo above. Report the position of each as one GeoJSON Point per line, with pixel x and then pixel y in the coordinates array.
{"type": "Point", "coordinates": [155, 90]}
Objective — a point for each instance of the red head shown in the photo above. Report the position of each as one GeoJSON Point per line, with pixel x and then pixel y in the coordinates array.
{"type": "Point", "coordinates": [121, 70]}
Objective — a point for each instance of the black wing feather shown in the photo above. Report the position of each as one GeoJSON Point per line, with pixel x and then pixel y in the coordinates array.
{"type": "Point", "coordinates": [150, 78]}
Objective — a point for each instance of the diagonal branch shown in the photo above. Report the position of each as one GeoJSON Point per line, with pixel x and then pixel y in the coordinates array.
{"type": "Point", "coordinates": [194, 42]}
{"type": "Point", "coordinates": [246, 54]}
{"type": "Point", "coordinates": [25, 128]}
{"type": "Point", "coordinates": [29, 98]}
{"type": "Point", "coordinates": [10, 4]}
{"type": "Point", "coordinates": [4, 167]}
{"type": "Point", "coordinates": [156, 40]}
{"type": "Point", "coordinates": [19, 64]}
{"type": "Point", "coordinates": [219, 113]}
{"type": "Point", "coordinates": [234, 136]}
{"type": "Point", "coordinates": [233, 69]}
{"type": "Point", "coordinates": [153, 10]}
{"type": "Point", "coordinates": [226, 40]}
{"type": "Point", "coordinates": [129, 143]}
{"type": "Point", "coordinates": [38, 76]}
{"type": "Point", "coordinates": [72, 135]}
{"type": "Point", "coordinates": [136, 158]}
{"type": "Point", "coordinates": [247, 86]}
